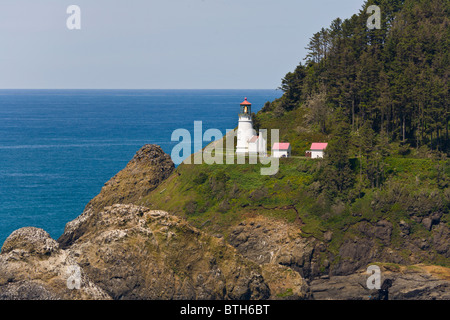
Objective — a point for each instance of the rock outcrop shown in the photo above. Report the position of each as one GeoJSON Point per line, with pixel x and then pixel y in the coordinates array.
{"type": "Point", "coordinates": [417, 282]}
{"type": "Point", "coordinates": [132, 252]}
{"type": "Point", "coordinates": [118, 250]}
{"type": "Point", "coordinates": [275, 241]}
{"type": "Point", "coordinates": [148, 168]}
{"type": "Point", "coordinates": [34, 267]}
{"type": "Point", "coordinates": [30, 240]}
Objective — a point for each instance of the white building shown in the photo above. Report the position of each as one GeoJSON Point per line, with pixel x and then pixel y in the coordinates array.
{"type": "Point", "coordinates": [245, 129]}
{"type": "Point", "coordinates": [317, 150]}
{"type": "Point", "coordinates": [281, 150]}
{"type": "Point", "coordinates": [257, 145]}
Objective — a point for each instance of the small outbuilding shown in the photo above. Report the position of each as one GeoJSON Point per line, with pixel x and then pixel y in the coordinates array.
{"type": "Point", "coordinates": [257, 145]}
{"type": "Point", "coordinates": [317, 150]}
{"type": "Point", "coordinates": [281, 150]}
{"type": "Point", "coordinates": [253, 144]}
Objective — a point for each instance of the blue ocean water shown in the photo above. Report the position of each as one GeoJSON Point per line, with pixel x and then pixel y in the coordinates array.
{"type": "Point", "coordinates": [58, 147]}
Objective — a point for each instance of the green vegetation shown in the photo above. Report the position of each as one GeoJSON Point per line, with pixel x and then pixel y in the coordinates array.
{"type": "Point", "coordinates": [215, 197]}
{"type": "Point", "coordinates": [220, 194]}
{"type": "Point", "coordinates": [287, 293]}
{"type": "Point", "coordinates": [380, 98]}
{"type": "Point", "coordinates": [394, 80]}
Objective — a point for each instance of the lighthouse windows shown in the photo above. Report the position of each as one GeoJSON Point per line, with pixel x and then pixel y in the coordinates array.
{"type": "Point", "coordinates": [245, 110]}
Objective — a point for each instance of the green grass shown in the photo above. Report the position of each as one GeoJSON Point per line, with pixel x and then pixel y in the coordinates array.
{"type": "Point", "coordinates": [293, 129]}
{"type": "Point", "coordinates": [221, 193]}
{"type": "Point", "coordinates": [287, 293]}
{"type": "Point", "coordinates": [216, 197]}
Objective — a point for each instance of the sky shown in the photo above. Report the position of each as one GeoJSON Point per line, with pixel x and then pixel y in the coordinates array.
{"type": "Point", "coordinates": [159, 44]}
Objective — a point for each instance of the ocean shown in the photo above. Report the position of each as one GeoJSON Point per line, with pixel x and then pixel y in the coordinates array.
{"type": "Point", "coordinates": [59, 147]}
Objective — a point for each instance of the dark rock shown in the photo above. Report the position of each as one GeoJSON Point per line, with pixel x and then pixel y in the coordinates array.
{"type": "Point", "coordinates": [403, 284]}
{"type": "Point", "coordinates": [27, 290]}
{"type": "Point", "coordinates": [432, 220]}
{"type": "Point", "coordinates": [259, 194]}
{"type": "Point", "coordinates": [427, 222]}
{"type": "Point", "coordinates": [268, 241]}
{"type": "Point", "coordinates": [383, 292]}
{"type": "Point", "coordinates": [436, 218]}
{"type": "Point", "coordinates": [383, 231]}
{"type": "Point", "coordinates": [441, 240]}
{"type": "Point", "coordinates": [405, 228]}
{"type": "Point", "coordinates": [354, 254]}
{"type": "Point", "coordinates": [352, 287]}
{"type": "Point", "coordinates": [327, 236]}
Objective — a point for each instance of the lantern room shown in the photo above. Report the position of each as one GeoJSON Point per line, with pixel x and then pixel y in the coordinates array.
{"type": "Point", "coordinates": [246, 107]}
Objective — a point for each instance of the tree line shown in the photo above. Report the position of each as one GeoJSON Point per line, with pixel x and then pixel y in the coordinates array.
{"type": "Point", "coordinates": [391, 81]}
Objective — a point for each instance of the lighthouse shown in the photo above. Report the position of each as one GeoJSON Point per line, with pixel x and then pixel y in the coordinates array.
{"type": "Point", "coordinates": [245, 129]}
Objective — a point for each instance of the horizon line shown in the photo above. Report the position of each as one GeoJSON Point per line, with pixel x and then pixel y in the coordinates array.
{"type": "Point", "coordinates": [140, 89]}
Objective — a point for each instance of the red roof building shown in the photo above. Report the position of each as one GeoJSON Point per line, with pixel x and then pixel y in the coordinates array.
{"type": "Point", "coordinates": [319, 146]}
{"type": "Point", "coordinates": [281, 150]}
{"type": "Point", "coordinates": [281, 146]}
{"type": "Point", "coordinates": [317, 150]}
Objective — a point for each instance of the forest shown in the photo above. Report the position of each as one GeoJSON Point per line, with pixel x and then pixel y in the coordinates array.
{"type": "Point", "coordinates": [389, 84]}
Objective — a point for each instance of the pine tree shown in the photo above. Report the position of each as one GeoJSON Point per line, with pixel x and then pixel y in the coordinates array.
{"type": "Point", "coordinates": [395, 77]}
{"type": "Point", "coordinates": [337, 176]}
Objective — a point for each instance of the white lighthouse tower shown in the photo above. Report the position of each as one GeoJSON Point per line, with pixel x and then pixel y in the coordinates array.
{"type": "Point", "coordinates": [245, 129]}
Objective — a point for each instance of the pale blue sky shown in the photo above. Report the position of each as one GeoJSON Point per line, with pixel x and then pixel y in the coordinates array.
{"type": "Point", "coordinates": [159, 44]}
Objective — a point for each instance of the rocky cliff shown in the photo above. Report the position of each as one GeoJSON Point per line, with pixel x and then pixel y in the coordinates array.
{"type": "Point", "coordinates": [119, 249]}
{"type": "Point", "coordinates": [271, 241]}
{"type": "Point", "coordinates": [418, 282]}
{"type": "Point", "coordinates": [131, 252]}
{"type": "Point", "coordinates": [126, 251]}
{"type": "Point", "coordinates": [148, 168]}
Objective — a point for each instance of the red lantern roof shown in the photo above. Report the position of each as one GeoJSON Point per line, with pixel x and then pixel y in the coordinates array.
{"type": "Point", "coordinates": [246, 103]}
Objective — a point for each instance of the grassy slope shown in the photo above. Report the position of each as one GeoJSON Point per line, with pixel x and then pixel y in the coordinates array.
{"type": "Point", "coordinates": [215, 197]}
{"type": "Point", "coordinates": [293, 129]}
